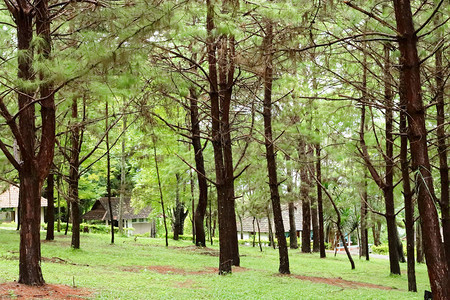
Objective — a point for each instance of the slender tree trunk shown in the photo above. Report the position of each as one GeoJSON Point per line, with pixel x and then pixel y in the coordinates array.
{"type": "Point", "coordinates": [388, 189]}
{"type": "Point", "coordinates": [419, 243]}
{"type": "Point", "coordinates": [442, 152]}
{"type": "Point", "coordinates": [270, 151]}
{"type": "Point", "coordinates": [49, 193]}
{"type": "Point", "coordinates": [74, 177]}
{"type": "Point", "coordinates": [306, 208]}
{"type": "Point", "coordinates": [160, 191]}
{"type": "Point", "coordinates": [58, 226]}
{"type": "Point", "coordinates": [409, 205]}
{"type": "Point", "coordinates": [320, 202]}
{"type": "Point", "coordinates": [410, 93]}
{"type": "Point", "coordinates": [364, 237]}
{"type": "Point", "coordinates": [122, 174]}
{"type": "Point", "coordinates": [315, 225]}
{"type": "Point", "coordinates": [376, 230]}
{"type": "Point", "coordinates": [259, 236]}
{"type": "Point", "coordinates": [108, 176]}
{"type": "Point", "coordinates": [292, 228]}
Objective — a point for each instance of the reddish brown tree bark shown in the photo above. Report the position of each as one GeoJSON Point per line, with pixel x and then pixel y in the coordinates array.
{"type": "Point", "coordinates": [410, 88]}
{"type": "Point", "coordinates": [442, 153]}
{"type": "Point", "coordinates": [409, 204]}
{"type": "Point", "coordinates": [221, 139]}
{"type": "Point", "coordinates": [270, 151]}
{"type": "Point", "coordinates": [36, 158]}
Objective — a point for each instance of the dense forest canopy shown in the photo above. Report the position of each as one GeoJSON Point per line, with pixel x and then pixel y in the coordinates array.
{"type": "Point", "coordinates": [217, 111]}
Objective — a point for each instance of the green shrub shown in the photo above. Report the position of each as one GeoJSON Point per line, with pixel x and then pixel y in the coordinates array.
{"type": "Point", "coordinates": [383, 249]}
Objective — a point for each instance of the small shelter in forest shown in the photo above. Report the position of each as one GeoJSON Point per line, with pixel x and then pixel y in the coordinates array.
{"type": "Point", "coordinates": [132, 218]}
{"type": "Point", "coordinates": [9, 205]}
{"type": "Point", "coordinates": [249, 225]}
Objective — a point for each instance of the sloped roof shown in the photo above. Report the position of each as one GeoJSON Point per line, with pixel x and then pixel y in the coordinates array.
{"type": "Point", "coordinates": [100, 210]}
{"type": "Point", "coordinates": [247, 222]}
{"type": "Point", "coordinates": [10, 198]}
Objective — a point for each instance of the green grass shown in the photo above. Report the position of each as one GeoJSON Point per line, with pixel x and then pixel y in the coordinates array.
{"type": "Point", "coordinates": [100, 266]}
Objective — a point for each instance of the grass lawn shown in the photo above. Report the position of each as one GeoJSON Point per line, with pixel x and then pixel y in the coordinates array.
{"type": "Point", "coordinates": [145, 269]}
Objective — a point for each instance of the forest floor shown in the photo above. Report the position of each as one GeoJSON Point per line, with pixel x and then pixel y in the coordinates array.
{"type": "Point", "coordinates": [144, 268]}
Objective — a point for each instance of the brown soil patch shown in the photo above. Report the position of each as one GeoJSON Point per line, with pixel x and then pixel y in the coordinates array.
{"type": "Point", "coordinates": [179, 271]}
{"type": "Point", "coordinates": [199, 250]}
{"type": "Point", "coordinates": [14, 290]}
{"type": "Point", "coordinates": [337, 281]}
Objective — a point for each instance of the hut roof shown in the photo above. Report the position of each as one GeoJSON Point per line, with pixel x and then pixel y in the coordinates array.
{"type": "Point", "coordinates": [100, 210]}
{"type": "Point", "coordinates": [10, 198]}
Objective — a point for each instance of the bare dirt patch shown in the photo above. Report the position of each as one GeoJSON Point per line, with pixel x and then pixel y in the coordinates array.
{"type": "Point", "coordinates": [179, 271]}
{"type": "Point", "coordinates": [337, 281]}
{"type": "Point", "coordinates": [14, 290]}
{"type": "Point", "coordinates": [61, 261]}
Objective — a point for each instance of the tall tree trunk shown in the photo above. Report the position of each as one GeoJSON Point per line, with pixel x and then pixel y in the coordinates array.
{"type": "Point", "coordinates": [388, 189]}
{"type": "Point", "coordinates": [292, 228]}
{"type": "Point", "coordinates": [49, 193]}
{"type": "Point", "coordinates": [161, 198]}
{"type": "Point", "coordinates": [442, 152]}
{"type": "Point", "coordinates": [221, 140]}
{"type": "Point", "coordinates": [74, 164]}
{"type": "Point", "coordinates": [108, 175]}
{"type": "Point", "coordinates": [30, 246]}
{"type": "Point", "coordinates": [409, 204]}
{"type": "Point", "coordinates": [269, 224]}
{"type": "Point", "coordinates": [364, 238]}
{"type": "Point", "coordinates": [315, 225]}
{"type": "Point", "coordinates": [320, 202]}
{"type": "Point", "coordinates": [34, 168]}
{"type": "Point", "coordinates": [122, 174]}
{"type": "Point", "coordinates": [411, 95]}
{"type": "Point", "coordinates": [306, 208]}
{"type": "Point", "coordinates": [419, 243]}
{"type": "Point", "coordinates": [376, 230]}
{"type": "Point", "coordinates": [270, 151]}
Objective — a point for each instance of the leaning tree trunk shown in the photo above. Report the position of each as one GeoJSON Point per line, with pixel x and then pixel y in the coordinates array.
{"type": "Point", "coordinates": [411, 94]}
{"type": "Point", "coordinates": [108, 174]}
{"type": "Point", "coordinates": [270, 152]}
